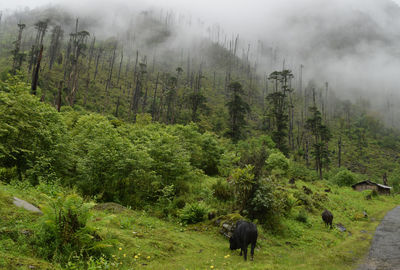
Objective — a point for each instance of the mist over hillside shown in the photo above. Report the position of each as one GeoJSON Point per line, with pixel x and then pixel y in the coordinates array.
{"type": "Point", "coordinates": [352, 45]}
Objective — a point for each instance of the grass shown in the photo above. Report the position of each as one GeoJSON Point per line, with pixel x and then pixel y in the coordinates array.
{"type": "Point", "coordinates": [143, 241]}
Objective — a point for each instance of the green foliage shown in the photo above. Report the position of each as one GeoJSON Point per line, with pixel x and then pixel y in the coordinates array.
{"type": "Point", "coordinates": [237, 108]}
{"type": "Point", "coordinates": [108, 164]}
{"type": "Point", "coordinates": [277, 164]}
{"type": "Point", "coordinates": [205, 149]}
{"type": "Point", "coordinates": [165, 201]}
{"type": "Point", "coordinates": [64, 230]}
{"type": "Point", "coordinates": [300, 172]}
{"type": "Point", "coordinates": [8, 174]}
{"type": "Point", "coordinates": [222, 190]}
{"type": "Point", "coordinates": [344, 178]}
{"type": "Point", "coordinates": [322, 136]}
{"type": "Point", "coordinates": [193, 213]}
{"type": "Point", "coordinates": [255, 151]}
{"type": "Point", "coordinates": [242, 181]}
{"type": "Point", "coordinates": [32, 136]}
{"type": "Point", "coordinates": [302, 216]}
{"type": "Point", "coordinates": [278, 109]}
{"type": "Point", "coordinates": [394, 180]}
{"type": "Point", "coordinates": [269, 203]}
{"type": "Point", "coordinates": [143, 119]}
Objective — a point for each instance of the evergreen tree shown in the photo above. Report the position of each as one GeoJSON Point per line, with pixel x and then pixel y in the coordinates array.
{"type": "Point", "coordinates": [278, 101]}
{"type": "Point", "coordinates": [321, 136]}
{"type": "Point", "coordinates": [237, 110]}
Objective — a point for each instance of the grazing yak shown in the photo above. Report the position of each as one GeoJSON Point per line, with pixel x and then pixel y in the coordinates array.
{"type": "Point", "coordinates": [327, 217]}
{"type": "Point", "coordinates": [244, 234]}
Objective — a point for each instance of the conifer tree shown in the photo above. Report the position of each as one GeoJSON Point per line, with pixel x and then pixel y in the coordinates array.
{"type": "Point", "coordinates": [237, 108]}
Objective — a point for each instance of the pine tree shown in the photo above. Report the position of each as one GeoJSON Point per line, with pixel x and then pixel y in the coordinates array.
{"type": "Point", "coordinates": [321, 135]}
{"type": "Point", "coordinates": [279, 108]}
{"type": "Point", "coordinates": [237, 110]}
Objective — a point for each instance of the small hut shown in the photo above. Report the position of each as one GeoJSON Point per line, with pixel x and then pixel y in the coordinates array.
{"type": "Point", "coordinates": [369, 185]}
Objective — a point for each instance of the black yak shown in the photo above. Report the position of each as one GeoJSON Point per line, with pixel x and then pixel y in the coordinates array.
{"type": "Point", "coordinates": [244, 234]}
{"type": "Point", "coordinates": [327, 217]}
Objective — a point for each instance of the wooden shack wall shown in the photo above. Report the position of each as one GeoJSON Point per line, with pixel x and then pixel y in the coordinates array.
{"type": "Point", "coordinates": [365, 187]}
{"type": "Point", "coordinates": [384, 191]}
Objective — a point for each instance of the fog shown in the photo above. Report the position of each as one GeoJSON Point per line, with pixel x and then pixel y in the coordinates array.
{"type": "Point", "coordinates": [352, 44]}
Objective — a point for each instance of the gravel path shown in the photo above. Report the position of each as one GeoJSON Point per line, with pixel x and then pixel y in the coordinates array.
{"type": "Point", "coordinates": [385, 250]}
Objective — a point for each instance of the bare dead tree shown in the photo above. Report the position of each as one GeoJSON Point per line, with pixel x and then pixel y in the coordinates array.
{"type": "Point", "coordinates": [35, 78]}
{"type": "Point", "coordinates": [17, 56]}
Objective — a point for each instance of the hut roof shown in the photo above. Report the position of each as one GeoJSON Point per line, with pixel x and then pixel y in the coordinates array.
{"type": "Point", "coordinates": [371, 183]}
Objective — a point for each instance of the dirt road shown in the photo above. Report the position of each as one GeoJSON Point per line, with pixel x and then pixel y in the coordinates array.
{"type": "Point", "coordinates": [385, 250]}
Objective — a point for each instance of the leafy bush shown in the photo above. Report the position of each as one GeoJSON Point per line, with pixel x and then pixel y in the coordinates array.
{"type": "Point", "coordinates": [8, 174]}
{"type": "Point", "coordinates": [302, 216]}
{"type": "Point", "coordinates": [255, 151]}
{"type": "Point", "coordinates": [278, 164]}
{"type": "Point", "coordinates": [33, 137]}
{"type": "Point", "coordinates": [300, 172]}
{"type": "Point", "coordinates": [222, 190]}
{"type": "Point", "coordinates": [344, 178]}
{"type": "Point", "coordinates": [64, 232]}
{"type": "Point", "coordinates": [193, 213]}
{"type": "Point", "coordinates": [269, 203]}
{"type": "Point", "coordinates": [109, 165]}
{"type": "Point", "coordinates": [204, 149]}
{"type": "Point", "coordinates": [242, 181]}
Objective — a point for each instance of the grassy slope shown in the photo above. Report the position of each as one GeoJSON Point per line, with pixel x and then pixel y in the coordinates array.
{"type": "Point", "coordinates": [157, 243]}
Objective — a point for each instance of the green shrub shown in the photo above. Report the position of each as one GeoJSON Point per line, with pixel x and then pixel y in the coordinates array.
{"type": "Point", "coordinates": [222, 190]}
{"type": "Point", "coordinates": [302, 216]}
{"type": "Point", "coordinates": [33, 137]}
{"type": "Point", "coordinates": [193, 213]}
{"type": "Point", "coordinates": [255, 151]}
{"type": "Point", "coordinates": [344, 178]}
{"type": "Point", "coordinates": [269, 203]}
{"type": "Point", "coordinates": [63, 230]}
{"type": "Point", "coordinates": [278, 164]}
{"type": "Point", "coordinates": [8, 174]}
{"type": "Point", "coordinates": [204, 148]}
{"type": "Point", "coordinates": [179, 202]}
{"type": "Point", "coordinates": [300, 172]}
{"type": "Point", "coordinates": [242, 181]}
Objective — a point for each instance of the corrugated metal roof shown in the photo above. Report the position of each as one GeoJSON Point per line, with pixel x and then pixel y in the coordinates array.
{"type": "Point", "coordinates": [372, 183]}
{"type": "Point", "coordinates": [383, 186]}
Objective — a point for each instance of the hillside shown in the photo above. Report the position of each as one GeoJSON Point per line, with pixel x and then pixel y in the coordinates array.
{"type": "Point", "coordinates": [139, 132]}
{"type": "Point", "coordinates": [140, 240]}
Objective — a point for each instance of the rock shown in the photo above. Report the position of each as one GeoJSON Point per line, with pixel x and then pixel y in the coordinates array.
{"type": "Point", "coordinates": [31, 267]}
{"type": "Point", "coordinates": [365, 214]}
{"type": "Point", "coordinates": [217, 222]}
{"type": "Point", "coordinates": [341, 227]}
{"type": "Point", "coordinates": [227, 226]}
{"type": "Point", "coordinates": [227, 229]}
{"type": "Point", "coordinates": [27, 232]}
{"type": "Point", "coordinates": [363, 231]}
{"type": "Point", "coordinates": [27, 206]}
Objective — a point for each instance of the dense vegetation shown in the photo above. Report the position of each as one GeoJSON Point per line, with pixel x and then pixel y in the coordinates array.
{"type": "Point", "coordinates": [79, 128]}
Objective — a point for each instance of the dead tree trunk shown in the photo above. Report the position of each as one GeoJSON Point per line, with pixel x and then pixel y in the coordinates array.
{"type": "Point", "coordinates": [59, 96]}
{"type": "Point", "coordinates": [35, 78]}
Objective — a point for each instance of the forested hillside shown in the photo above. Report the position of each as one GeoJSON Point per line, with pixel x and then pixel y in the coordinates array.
{"type": "Point", "coordinates": [171, 128]}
